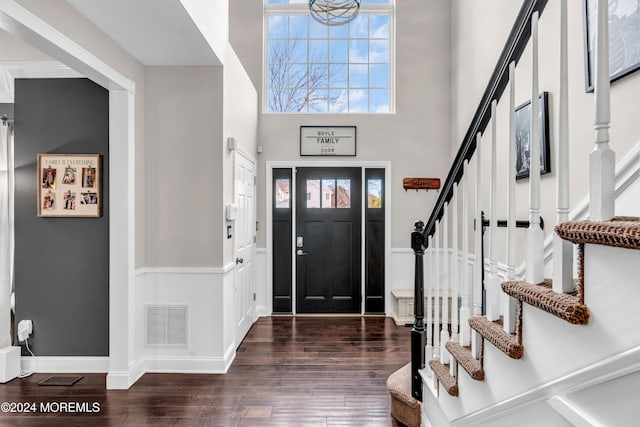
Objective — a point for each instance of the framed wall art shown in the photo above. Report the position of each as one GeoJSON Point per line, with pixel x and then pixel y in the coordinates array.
{"type": "Point", "coordinates": [624, 39]}
{"type": "Point", "coordinates": [69, 185]}
{"type": "Point", "coordinates": [327, 140]}
{"type": "Point", "coordinates": [523, 137]}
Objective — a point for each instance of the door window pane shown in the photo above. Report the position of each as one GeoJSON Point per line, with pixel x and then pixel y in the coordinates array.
{"type": "Point", "coordinates": [344, 194]}
{"type": "Point", "coordinates": [328, 193]}
{"type": "Point", "coordinates": [282, 194]}
{"type": "Point", "coordinates": [313, 193]}
{"type": "Point", "coordinates": [374, 193]}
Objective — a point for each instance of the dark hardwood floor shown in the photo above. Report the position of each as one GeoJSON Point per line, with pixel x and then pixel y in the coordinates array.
{"type": "Point", "coordinates": [304, 371]}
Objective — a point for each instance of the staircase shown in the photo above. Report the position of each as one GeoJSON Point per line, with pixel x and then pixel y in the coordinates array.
{"type": "Point", "coordinates": [620, 232]}
{"type": "Point", "coordinates": [562, 350]}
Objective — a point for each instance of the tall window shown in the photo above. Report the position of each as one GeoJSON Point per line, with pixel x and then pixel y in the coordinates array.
{"type": "Point", "coordinates": [314, 68]}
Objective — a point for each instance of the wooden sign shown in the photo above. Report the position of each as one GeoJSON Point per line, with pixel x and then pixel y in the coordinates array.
{"type": "Point", "coordinates": [421, 183]}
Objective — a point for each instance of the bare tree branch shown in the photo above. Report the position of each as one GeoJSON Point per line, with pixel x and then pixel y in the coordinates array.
{"type": "Point", "coordinates": [293, 88]}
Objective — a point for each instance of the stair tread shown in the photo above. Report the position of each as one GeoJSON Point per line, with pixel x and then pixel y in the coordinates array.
{"type": "Point", "coordinates": [466, 360]}
{"type": "Point", "coordinates": [446, 380]}
{"type": "Point", "coordinates": [622, 232]}
{"type": "Point", "coordinates": [493, 332]}
{"type": "Point", "coordinates": [564, 306]}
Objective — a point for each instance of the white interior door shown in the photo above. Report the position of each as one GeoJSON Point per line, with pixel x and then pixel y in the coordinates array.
{"type": "Point", "coordinates": [245, 245]}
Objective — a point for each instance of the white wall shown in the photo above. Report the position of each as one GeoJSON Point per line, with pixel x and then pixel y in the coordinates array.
{"type": "Point", "coordinates": [240, 122]}
{"type": "Point", "coordinates": [211, 19]}
{"type": "Point", "coordinates": [15, 49]}
{"type": "Point", "coordinates": [184, 163]}
{"type": "Point", "coordinates": [415, 139]}
{"type": "Point", "coordinates": [479, 33]}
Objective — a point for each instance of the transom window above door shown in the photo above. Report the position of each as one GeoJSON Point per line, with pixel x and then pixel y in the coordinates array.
{"type": "Point", "coordinates": [314, 68]}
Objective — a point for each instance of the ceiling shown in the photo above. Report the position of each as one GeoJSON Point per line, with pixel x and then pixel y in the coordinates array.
{"type": "Point", "coordinates": [156, 32]}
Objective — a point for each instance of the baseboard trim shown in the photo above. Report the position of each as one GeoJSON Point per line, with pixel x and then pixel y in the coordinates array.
{"type": "Point", "coordinates": [262, 311]}
{"type": "Point", "coordinates": [66, 364]}
{"type": "Point", "coordinates": [118, 380]}
{"type": "Point", "coordinates": [123, 380]}
{"type": "Point", "coordinates": [189, 364]}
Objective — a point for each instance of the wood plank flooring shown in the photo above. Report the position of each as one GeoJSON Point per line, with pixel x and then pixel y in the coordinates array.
{"type": "Point", "coordinates": [288, 372]}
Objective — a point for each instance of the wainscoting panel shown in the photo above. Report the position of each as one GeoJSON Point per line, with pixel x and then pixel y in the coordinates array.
{"type": "Point", "coordinates": [207, 296]}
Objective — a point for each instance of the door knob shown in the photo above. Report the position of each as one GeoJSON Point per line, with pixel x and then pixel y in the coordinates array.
{"type": "Point", "coordinates": [239, 260]}
{"type": "Point", "coordinates": [300, 252]}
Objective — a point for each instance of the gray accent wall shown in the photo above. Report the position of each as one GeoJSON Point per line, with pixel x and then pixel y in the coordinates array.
{"type": "Point", "coordinates": [62, 264]}
{"type": "Point", "coordinates": [6, 109]}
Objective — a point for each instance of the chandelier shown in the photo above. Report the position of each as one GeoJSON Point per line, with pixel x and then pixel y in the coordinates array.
{"type": "Point", "coordinates": [334, 12]}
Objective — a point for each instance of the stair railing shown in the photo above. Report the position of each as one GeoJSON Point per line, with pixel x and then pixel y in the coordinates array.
{"type": "Point", "coordinates": [511, 53]}
{"type": "Point", "coordinates": [466, 292]}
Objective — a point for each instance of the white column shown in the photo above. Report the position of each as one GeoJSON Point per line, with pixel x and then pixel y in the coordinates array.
{"type": "Point", "coordinates": [465, 312]}
{"type": "Point", "coordinates": [479, 261]}
{"type": "Point", "coordinates": [444, 289]}
{"type": "Point", "coordinates": [562, 249]}
{"type": "Point", "coordinates": [6, 235]}
{"type": "Point", "coordinates": [535, 236]}
{"type": "Point", "coordinates": [493, 281]}
{"type": "Point", "coordinates": [122, 349]}
{"type": "Point", "coordinates": [509, 303]}
{"type": "Point", "coordinates": [602, 159]}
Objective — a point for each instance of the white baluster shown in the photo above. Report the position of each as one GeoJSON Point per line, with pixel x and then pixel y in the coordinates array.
{"type": "Point", "coordinates": [602, 159]}
{"type": "Point", "coordinates": [434, 295]}
{"type": "Point", "coordinates": [455, 288]}
{"type": "Point", "coordinates": [444, 289]}
{"type": "Point", "coordinates": [455, 283]}
{"type": "Point", "coordinates": [509, 303]}
{"type": "Point", "coordinates": [429, 295]}
{"type": "Point", "coordinates": [465, 312]}
{"type": "Point", "coordinates": [562, 249]}
{"type": "Point", "coordinates": [493, 281]}
{"type": "Point", "coordinates": [479, 261]}
{"type": "Point", "coordinates": [535, 235]}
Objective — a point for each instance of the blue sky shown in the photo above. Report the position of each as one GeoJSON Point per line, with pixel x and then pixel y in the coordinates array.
{"type": "Point", "coordinates": [357, 55]}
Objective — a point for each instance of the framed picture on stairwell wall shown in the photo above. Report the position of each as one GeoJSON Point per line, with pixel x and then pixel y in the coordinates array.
{"type": "Point", "coordinates": [624, 39]}
{"type": "Point", "coordinates": [523, 137]}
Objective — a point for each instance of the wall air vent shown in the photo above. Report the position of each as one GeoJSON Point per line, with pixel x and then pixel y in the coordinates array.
{"type": "Point", "coordinates": [166, 326]}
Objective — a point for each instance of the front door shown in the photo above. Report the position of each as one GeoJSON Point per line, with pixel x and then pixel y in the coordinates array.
{"type": "Point", "coordinates": [328, 240]}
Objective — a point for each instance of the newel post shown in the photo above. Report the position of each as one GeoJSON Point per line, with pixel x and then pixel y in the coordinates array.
{"type": "Point", "coordinates": [418, 332]}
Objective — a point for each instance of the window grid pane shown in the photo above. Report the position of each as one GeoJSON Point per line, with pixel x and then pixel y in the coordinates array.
{"type": "Point", "coordinates": [343, 195]}
{"type": "Point", "coordinates": [328, 193]}
{"type": "Point", "coordinates": [374, 193]}
{"type": "Point", "coordinates": [320, 69]}
{"type": "Point", "coordinates": [282, 194]}
{"type": "Point", "coordinates": [313, 193]}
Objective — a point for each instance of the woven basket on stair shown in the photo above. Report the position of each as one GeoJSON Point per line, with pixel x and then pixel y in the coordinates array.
{"type": "Point", "coordinates": [404, 407]}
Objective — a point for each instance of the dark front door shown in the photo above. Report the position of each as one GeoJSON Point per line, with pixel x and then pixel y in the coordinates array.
{"type": "Point", "coordinates": [328, 240]}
